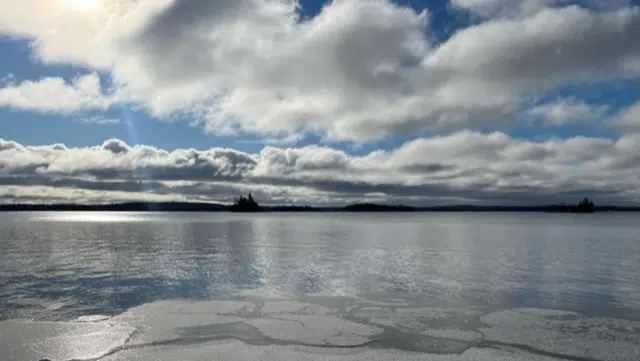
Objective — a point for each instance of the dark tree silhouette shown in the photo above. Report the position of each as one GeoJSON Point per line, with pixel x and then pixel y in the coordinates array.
{"type": "Point", "coordinates": [586, 206]}
{"type": "Point", "coordinates": [370, 207]}
{"type": "Point", "coordinates": [245, 204]}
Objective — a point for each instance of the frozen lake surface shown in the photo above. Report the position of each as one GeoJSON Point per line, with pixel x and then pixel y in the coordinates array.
{"type": "Point", "coordinates": [163, 286]}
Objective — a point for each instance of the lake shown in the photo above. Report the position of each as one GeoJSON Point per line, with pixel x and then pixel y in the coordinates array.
{"type": "Point", "coordinates": [319, 286]}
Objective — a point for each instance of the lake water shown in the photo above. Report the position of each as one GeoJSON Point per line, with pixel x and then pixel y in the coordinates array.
{"type": "Point", "coordinates": [334, 286]}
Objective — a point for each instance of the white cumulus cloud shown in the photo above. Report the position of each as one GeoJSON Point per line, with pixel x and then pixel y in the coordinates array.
{"type": "Point", "coordinates": [567, 111]}
{"type": "Point", "coordinates": [464, 167]}
{"type": "Point", "coordinates": [359, 70]}
{"type": "Point", "coordinates": [55, 95]}
{"type": "Point", "coordinates": [629, 118]}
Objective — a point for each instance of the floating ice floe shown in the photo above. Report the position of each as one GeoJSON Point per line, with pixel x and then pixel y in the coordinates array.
{"type": "Point", "coordinates": [26, 341]}
{"type": "Point", "coordinates": [322, 329]}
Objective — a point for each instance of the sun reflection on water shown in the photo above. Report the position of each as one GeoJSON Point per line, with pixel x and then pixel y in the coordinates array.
{"type": "Point", "coordinates": [93, 217]}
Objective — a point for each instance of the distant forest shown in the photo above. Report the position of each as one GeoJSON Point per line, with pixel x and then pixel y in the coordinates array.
{"type": "Point", "coordinates": [249, 204]}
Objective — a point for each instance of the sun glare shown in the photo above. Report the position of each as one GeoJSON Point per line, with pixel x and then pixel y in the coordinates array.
{"type": "Point", "coordinates": [84, 4]}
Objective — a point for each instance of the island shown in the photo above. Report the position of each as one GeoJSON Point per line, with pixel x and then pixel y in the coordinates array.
{"type": "Point", "coordinates": [371, 207]}
{"type": "Point", "coordinates": [249, 204]}
{"type": "Point", "coordinates": [245, 204]}
{"type": "Point", "coordinates": [584, 206]}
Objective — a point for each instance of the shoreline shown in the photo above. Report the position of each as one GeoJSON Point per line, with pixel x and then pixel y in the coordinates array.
{"type": "Point", "coordinates": [355, 208]}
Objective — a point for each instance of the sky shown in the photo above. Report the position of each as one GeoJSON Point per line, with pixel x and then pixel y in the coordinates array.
{"type": "Point", "coordinates": [421, 102]}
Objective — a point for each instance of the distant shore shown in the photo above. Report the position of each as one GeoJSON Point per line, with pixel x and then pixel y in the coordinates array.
{"type": "Point", "coordinates": [358, 207]}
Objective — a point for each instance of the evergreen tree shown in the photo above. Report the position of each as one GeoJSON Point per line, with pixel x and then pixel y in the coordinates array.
{"type": "Point", "coordinates": [245, 204]}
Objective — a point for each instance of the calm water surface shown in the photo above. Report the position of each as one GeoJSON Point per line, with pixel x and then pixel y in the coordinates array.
{"type": "Point", "coordinates": [58, 266]}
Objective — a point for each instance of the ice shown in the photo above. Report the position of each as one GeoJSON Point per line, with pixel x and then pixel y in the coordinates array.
{"type": "Point", "coordinates": [322, 329]}
{"type": "Point", "coordinates": [25, 341]}
{"type": "Point", "coordinates": [162, 321]}
{"type": "Point", "coordinates": [264, 293]}
{"type": "Point", "coordinates": [239, 351]}
{"type": "Point", "coordinates": [414, 319]}
{"type": "Point", "coordinates": [454, 334]}
{"type": "Point", "coordinates": [92, 318]}
{"type": "Point", "coordinates": [282, 321]}
{"type": "Point", "coordinates": [546, 312]}
{"type": "Point", "coordinates": [295, 307]}
{"type": "Point", "coordinates": [316, 330]}
{"type": "Point", "coordinates": [525, 316]}
{"type": "Point", "coordinates": [565, 333]}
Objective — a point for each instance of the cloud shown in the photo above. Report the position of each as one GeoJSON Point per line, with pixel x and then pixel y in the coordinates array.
{"type": "Point", "coordinates": [505, 8]}
{"type": "Point", "coordinates": [464, 167]}
{"type": "Point", "coordinates": [98, 120]}
{"type": "Point", "coordinates": [628, 118]}
{"type": "Point", "coordinates": [39, 194]}
{"type": "Point", "coordinates": [356, 64]}
{"type": "Point", "coordinates": [290, 139]}
{"type": "Point", "coordinates": [55, 95]}
{"type": "Point", "coordinates": [552, 47]}
{"type": "Point", "coordinates": [566, 111]}
{"type": "Point", "coordinates": [520, 8]}
{"type": "Point", "coordinates": [359, 70]}
{"type": "Point", "coordinates": [116, 160]}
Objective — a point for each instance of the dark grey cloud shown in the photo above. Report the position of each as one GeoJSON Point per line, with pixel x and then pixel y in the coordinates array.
{"type": "Point", "coordinates": [428, 168]}
{"type": "Point", "coordinates": [95, 185]}
{"type": "Point", "coordinates": [115, 146]}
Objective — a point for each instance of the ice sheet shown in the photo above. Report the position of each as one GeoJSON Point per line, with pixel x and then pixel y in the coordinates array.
{"type": "Point", "coordinates": [322, 329]}
{"type": "Point", "coordinates": [294, 307]}
{"type": "Point", "coordinates": [239, 351]}
{"type": "Point", "coordinates": [26, 341]}
{"type": "Point", "coordinates": [565, 333]}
